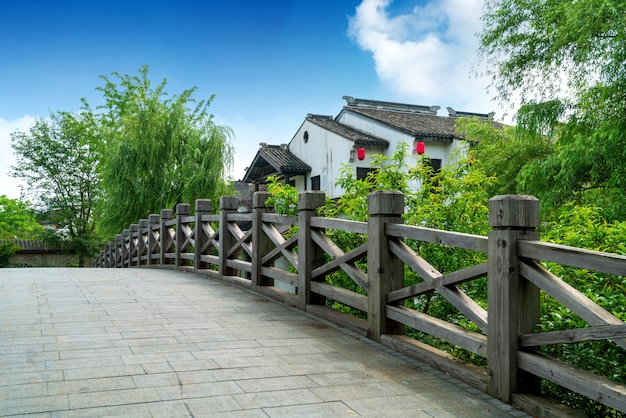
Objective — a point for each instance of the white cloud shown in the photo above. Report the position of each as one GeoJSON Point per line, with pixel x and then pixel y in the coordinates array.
{"type": "Point", "coordinates": [425, 56]}
{"type": "Point", "coordinates": [9, 186]}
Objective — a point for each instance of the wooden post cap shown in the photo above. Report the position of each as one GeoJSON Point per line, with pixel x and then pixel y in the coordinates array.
{"type": "Point", "coordinates": [385, 202]}
{"type": "Point", "coordinates": [258, 200]}
{"type": "Point", "coordinates": [204, 205]}
{"type": "Point", "coordinates": [514, 211]}
{"type": "Point", "coordinates": [167, 213]}
{"type": "Point", "coordinates": [183, 209]}
{"type": "Point", "coordinates": [229, 202]}
{"type": "Point", "coordinates": [311, 199]}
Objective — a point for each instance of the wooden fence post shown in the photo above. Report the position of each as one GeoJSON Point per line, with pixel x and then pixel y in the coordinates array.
{"type": "Point", "coordinates": [203, 207]}
{"type": "Point", "coordinates": [119, 244]}
{"type": "Point", "coordinates": [153, 221]}
{"type": "Point", "coordinates": [165, 239]}
{"type": "Point", "coordinates": [513, 302]}
{"type": "Point", "coordinates": [133, 243]}
{"type": "Point", "coordinates": [125, 247]}
{"type": "Point", "coordinates": [385, 272]}
{"type": "Point", "coordinates": [261, 244]}
{"type": "Point", "coordinates": [182, 209]}
{"type": "Point", "coordinates": [310, 255]}
{"type": "Point", "coordinates": [144, 231]}
{"type": "Point", "coordinates": [228, 205]}
{"type": "Point", "coordinates": [112, 254]}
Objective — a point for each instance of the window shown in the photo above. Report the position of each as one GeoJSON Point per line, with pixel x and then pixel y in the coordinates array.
{"type": "Point", "coordinates": [435, 163]}
{"type": "Point", "coordinates": [315, 183]}
{"type": "Point", "coordinates": [362, 172]}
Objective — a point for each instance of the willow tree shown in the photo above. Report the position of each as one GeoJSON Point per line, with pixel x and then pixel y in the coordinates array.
{"type": "Point", "coordinates": [566, 60]}
{"type": "Point", "coordinates": [157, 150]}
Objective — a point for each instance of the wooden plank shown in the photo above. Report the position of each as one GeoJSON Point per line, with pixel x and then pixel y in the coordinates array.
{"type": "Point", "coordinates": [454, 239]}
{"type": "Point", "coordinates": [575, 257]}
{"type": "Point", "coordinates": [595, 387]}
{"type": "Point", "coordinates": [214, 274]}
{"type": "Point", "coordinates": [352, 323]}
{"type": "Point", "coordinates": [210, 218]}
{"type": "Point", "coordinates": [340, 224]}
{"type": "Point", "coordinates": [212, 259]}
{"type": "Point", "coordinates": [242, 239]}
{"type": "Point", "coordinates": [341, 295]}
{"type": "Point", "coordinates": [569, 336]}
{"type": "Point", "coordinates": [540, 406]}
{"type": "Point", "coordinates": [330, 248]}
{"type": "Point", "coordinates": [186, 256]}
{"type": "Point", "coordinates": [272, 233]}
{"type": "Point", "coordinates": [471, 341]}
{"type": "Point", "coordinates": [570, 297]}
{"type": "Point", "coordinates": [277, 251]}
{"type": "Point", "coordinates": [239, 217]}
{"type": "Point", "coordinates": [187, 219]}
{"type": "Point", "coordinates": [239, 265]}
{"type": "Point", "coordinates": [239, 281]}
{"type": "Point", "coordinates": [440, 360]}
{"type": "Point", "coordinates": [279, 219]}
{"type": "Point", "coordinates": [349, 257]}
{"type": "Point", "coordinates": [451, 279]}
{"type": "Point", "coordinates": [279, 274]}
{"type": "Point", "coordinates": [279, 295]}
{"type": "Point", "coordinates": [414, 261]}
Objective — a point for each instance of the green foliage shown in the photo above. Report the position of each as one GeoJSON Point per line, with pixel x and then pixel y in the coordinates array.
{"type": "Point", "coordinates": [57, 159]}
{"type": "Point", "coordinates": [585, 227]}
{"type": "Point", "coordinates": [283, 197]}
{"type": "Point", "coordinates": [7, 249]}
{"type": "Point", "coordinates": [532, 46]}
{"type": "Point", "coordinates": [18, 220]}
{"type": "Point", "coordinates": [453, 199]}
{"type": "Point", "coordinates": [157, 150]}
{"type": "Point", "coordinates": [502, 153]}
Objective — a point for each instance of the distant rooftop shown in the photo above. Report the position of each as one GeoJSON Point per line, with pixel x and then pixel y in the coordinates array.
{"type": "Point", "coordinates": [397, 107]}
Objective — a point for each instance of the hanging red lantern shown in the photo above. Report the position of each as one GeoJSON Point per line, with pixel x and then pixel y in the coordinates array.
{"type": "Point", "coordinates": [420, 147]}
{"type": "Point", "coordinates": [361, 153]}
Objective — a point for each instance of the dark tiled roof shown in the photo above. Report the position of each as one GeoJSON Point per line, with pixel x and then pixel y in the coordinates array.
{"type": "Point", "coordinates": [34, 246]}
{"type": "Point", "coordinates": [421, 126]}
{"type": "Point", "coordinates": [359, 137]}
{"type": "Point", "coordinates": [274, 160]}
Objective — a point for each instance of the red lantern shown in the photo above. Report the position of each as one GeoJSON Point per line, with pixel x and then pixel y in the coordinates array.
{"type": "Point", "coordinates": [361, 153]}
{"type": "Point", "coordinates": [420, 147]}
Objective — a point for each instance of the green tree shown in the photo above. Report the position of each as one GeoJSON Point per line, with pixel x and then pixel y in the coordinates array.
{"type": "Point", "coordinates": [532, 47]}
{"type": "Point", "coordinates": [502, 152]}
{"type": "Point", "coordinates": [57, 159]}
{"type": "Point", "coordinates": [17, 221]}
{"type": "Point", "coordinates": [157, 151]}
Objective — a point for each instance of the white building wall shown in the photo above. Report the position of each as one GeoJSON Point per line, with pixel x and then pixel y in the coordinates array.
{"type": "Point", "coordinates": [325, 152]}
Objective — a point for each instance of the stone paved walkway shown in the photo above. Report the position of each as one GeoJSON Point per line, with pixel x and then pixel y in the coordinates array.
{"type": "Point", "coordinates": [161, 343]}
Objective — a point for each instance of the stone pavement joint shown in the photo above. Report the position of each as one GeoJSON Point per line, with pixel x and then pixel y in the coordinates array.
{"type": "Point", "coordinates": [156, 343]}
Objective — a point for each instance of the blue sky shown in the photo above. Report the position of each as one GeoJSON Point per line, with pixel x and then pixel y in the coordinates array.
{"type": "Point", "coordinates": [269, 63]}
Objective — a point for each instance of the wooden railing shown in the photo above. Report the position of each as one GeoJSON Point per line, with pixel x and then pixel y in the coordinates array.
{"type": "Point", "coordinates": [263, 251]}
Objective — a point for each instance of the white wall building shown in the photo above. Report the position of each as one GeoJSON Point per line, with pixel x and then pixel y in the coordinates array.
{"type": "Point", "coordinates": [313, 158]}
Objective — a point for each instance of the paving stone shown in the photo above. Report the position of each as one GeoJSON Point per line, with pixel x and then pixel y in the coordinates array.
{"type": "Point", "coordinates": [276, 398]}
{"type": "Point", "coordinates": [66, 387]}
{"type": "Point", "coordinates": [156, 342]}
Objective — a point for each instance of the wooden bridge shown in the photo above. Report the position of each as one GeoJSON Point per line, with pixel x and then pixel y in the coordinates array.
{"type": "Point", "coordinates": [292, 268]}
